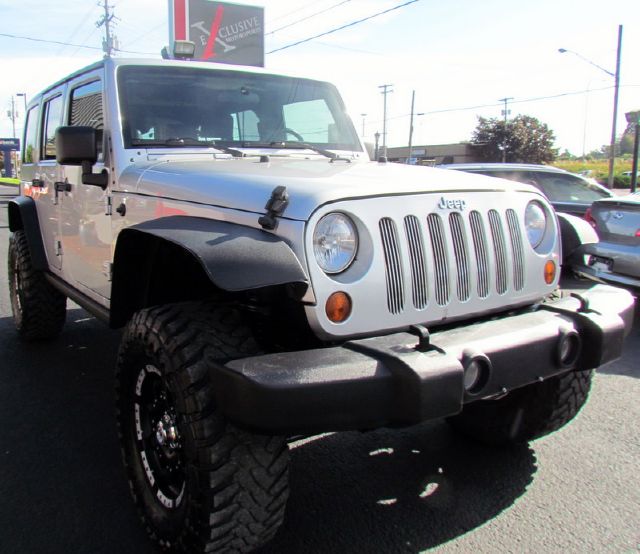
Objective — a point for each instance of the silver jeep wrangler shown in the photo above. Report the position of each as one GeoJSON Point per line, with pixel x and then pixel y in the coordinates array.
{"type": "Point", "coordinates": [274, 282]}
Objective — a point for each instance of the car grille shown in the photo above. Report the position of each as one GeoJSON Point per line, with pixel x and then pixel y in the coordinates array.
{"type": "Point", "coordinates": [468, 247]}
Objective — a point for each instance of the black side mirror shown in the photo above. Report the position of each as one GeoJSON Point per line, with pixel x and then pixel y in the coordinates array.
{"type": "Point", "coordinates": [79, 146]}
{"type": "Point", "coordinates": [75, 145]}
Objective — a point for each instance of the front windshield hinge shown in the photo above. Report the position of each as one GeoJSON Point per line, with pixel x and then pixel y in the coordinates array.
{"type": "Point", "coordinates": [275, 207]}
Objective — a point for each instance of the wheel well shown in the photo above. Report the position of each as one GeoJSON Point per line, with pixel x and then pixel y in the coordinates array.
{"type": "Point", "coordinates": [150, 271]}
{"type": "Point", "coordinates": [15, 219]}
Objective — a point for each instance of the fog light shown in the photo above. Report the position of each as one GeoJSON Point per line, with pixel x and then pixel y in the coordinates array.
{"type": "Point", "coordinates": [338, 307]}
{"type": "Point", "coordinates": [549, 272]}
{"type": "Point", "coordinates": [569, 348]}
{"type": "Point", "coordinates": [477, 369]}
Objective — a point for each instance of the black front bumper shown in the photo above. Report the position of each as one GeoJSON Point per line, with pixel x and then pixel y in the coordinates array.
{"type": "Point", "coordinates": [393, 380]}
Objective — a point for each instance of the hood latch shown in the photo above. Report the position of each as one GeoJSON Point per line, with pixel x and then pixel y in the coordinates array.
{"type": "Point", "coordinates": [275, 207]}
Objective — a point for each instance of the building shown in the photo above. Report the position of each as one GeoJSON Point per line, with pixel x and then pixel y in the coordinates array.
{"type": "Point", "coordinates": [435, 154]}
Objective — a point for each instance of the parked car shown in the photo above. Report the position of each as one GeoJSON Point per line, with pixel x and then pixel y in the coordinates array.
{"type": "Point", "coordinates": [616, 257]}
{"type": "Point", "coordinates": [567, 192]}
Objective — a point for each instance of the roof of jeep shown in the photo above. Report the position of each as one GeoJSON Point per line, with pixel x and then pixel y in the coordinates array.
{"type": "Point", "coordinates": [118, 62]}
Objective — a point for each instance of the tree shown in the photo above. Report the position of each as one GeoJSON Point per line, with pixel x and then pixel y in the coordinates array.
{"type": "Point", "coordinates": [524, 138]}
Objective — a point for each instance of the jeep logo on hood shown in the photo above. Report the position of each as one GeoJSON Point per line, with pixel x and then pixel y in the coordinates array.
{"type": "Point", "coordinates": [452, 204]}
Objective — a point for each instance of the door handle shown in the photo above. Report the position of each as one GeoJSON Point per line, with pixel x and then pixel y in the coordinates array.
{"type": "Point", "coordinates": [37, 183]}
{"type": "Point", "coordinates": [60, 186]}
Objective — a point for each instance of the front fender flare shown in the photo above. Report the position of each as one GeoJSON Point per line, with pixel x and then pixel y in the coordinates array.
{"type": "Point", "coordinates": [234, 257]}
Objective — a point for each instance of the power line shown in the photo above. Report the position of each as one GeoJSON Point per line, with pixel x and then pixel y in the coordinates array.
{"type": "Point", "coordinates": [296, 11]}
{"type": "Point", "coordinates": [76, 45]}
{"type": "Point", "coordinates": [343, 26]}
{"type": "Point", "coordinates": [307, 17]}
{"type": "Point", "coordinates": [50, 41]}
{"type": "Point", "coordinates": [78, 27]}
{"type": "Point", "coordinates": [495, 105]}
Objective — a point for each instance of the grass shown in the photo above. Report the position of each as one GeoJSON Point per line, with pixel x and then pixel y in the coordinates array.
{"type": "Point", "coordinates": [599, 168]}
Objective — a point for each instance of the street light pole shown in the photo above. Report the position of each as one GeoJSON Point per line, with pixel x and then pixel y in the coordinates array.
{"type": "Point", "coordinates": [612, 157]}
{"type": "Point", "coordinates": [413, 98]}
{"type": "Point", "coordinates": [616, 76]}
{"type": "Point", "coordinates": [363, 116]}
{"type": "Point", "coordinates": [384, 92]}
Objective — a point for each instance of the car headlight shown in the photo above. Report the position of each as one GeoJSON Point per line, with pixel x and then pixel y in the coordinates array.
{"type": "Point", "coordinates": [335, 242]}
{"type": "Point", "coordinates": [535, 221]}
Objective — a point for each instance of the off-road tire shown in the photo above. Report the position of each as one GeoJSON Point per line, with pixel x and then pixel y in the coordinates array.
{"type": "Point", "coordinates": [528, 413]}
{"type": "Point", "coordinates": [235, 482]}
{"type": "Point", "coordinates": [39, 309]}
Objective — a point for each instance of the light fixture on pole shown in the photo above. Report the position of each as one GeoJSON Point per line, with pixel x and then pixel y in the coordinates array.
{"type": "Point", "coordinates": [616, 77]}
{"type": "Point", "coordinates": [24, 97]}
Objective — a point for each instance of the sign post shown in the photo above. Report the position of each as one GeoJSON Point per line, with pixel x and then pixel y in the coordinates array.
{"type": "Point", "coordinates": [222, 32]}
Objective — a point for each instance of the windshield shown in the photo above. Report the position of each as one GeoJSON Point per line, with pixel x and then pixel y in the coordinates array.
{"type": "Point", "coordinates": [163, 106]}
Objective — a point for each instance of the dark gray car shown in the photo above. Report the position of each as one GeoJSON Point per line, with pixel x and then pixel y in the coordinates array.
{"type": "Point", "coordinates": [567, 192]}
{"type": "Point", "coordinates": [616, 258]}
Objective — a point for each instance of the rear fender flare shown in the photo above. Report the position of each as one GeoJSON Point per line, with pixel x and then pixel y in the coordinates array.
{"type": "Point", "coordinates": [23, 216]}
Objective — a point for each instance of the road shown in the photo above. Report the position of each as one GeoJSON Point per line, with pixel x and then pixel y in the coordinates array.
{"type": "Point", "coordinates": [62, 488]}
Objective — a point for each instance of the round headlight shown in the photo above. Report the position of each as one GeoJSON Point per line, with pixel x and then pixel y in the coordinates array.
{"type": "Point", "coordinates": [535, 221]}
{"type": "Point", "coordinates": [335, 242]}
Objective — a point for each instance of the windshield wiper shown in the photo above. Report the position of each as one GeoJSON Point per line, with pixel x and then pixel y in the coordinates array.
{"type": "Point", "coordinates": [295, 145]}
{"type": "Point", "coordinates": [306, 146]}
{"type": "Point", "coordinates": [183, 141]}
{"type": "Point", "coordinates": [187, 141]}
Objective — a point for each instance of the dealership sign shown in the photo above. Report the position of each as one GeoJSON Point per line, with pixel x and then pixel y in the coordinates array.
{"type": "Point", "coordinates": [222, 32]}
{"type": "Point", "coordinates": [10, 143]}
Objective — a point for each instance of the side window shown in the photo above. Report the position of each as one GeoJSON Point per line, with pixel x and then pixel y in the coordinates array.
{"type": "Point", "coordinates": [86, 108]}
{"type": "Point", "coordinates": [29, 146]}
{"type": "Point", "coordinates": [245, 126]}
{"type": "Point", "coordinates": [53, 112]}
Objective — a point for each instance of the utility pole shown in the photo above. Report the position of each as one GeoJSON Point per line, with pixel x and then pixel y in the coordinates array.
{"type": "Point", "coordinates": [109, 40]}
{"type": "Point", "coordinates": [384, 92]}
{"type": "Point", "coordinates": [505, 113]}
{"type": "Point", "coordinates": [612, 155]}
{"type": "Point", "coordinates": [616, 76]}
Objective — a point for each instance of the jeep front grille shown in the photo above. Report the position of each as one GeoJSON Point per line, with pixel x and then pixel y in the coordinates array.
{"type": "Point", "coordinates": [458, 253]}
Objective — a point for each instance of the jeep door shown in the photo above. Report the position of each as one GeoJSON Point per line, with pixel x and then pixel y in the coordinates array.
{"type": "Point", "coordinates": [39, 174]}
{"type": "Point", "coordinates": [85, 226]}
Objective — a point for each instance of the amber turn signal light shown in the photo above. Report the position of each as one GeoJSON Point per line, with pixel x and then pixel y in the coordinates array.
{"type": "Point", "coordinates": [338, 307]}
{"type": "Point", "coordinates": [549, 271]}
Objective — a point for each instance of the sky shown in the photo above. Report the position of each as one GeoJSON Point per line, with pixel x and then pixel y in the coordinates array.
{"type": "Point", "coordinates": [460, 57]}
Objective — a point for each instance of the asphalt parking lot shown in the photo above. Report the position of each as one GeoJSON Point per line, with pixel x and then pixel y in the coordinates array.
{"type": "Point", "coordinates": [62, 488]}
